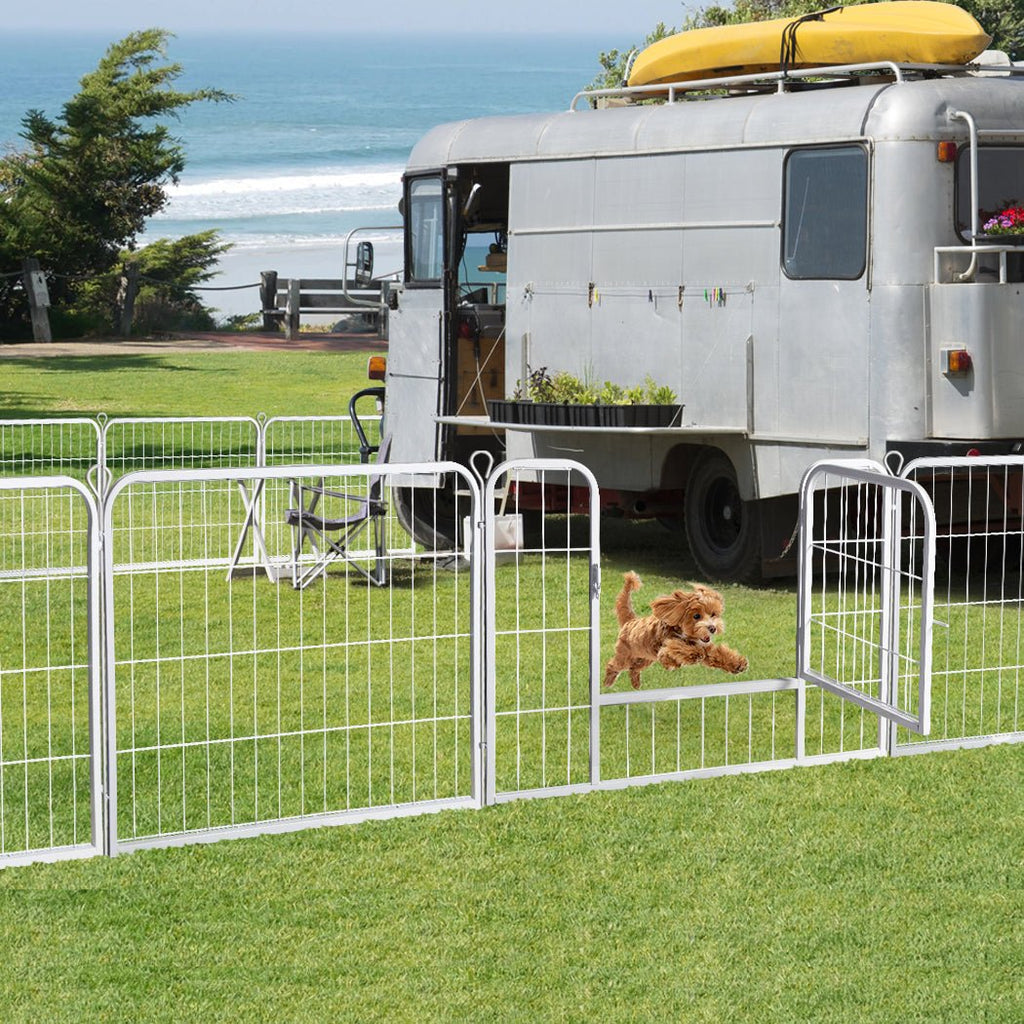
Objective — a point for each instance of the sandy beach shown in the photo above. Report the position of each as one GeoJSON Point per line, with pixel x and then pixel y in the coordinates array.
{"type": "Point", "coordinates": [240, 269]}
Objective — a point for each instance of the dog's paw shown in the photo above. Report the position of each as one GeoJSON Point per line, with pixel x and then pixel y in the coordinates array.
{"type": "Point", "coordinates": [741, 666]}
{"type": "Point", "coordinates": [668, 660]}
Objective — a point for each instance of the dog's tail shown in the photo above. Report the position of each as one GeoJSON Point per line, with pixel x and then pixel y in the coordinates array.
{"type": "Point", "coordinates": [623, 603]}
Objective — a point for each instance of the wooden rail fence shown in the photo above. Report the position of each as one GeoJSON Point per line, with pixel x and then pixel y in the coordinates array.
{"type": "Point", "coordinates": [285, 300]}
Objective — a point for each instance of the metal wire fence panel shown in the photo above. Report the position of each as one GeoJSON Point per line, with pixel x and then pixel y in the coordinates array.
{"type": "Point", "coordinates": [258, 701]}
{"type": "Point", "coordinates": [179, 442]}
{"type": "Point", "coordinates": [67, 447]}
{"type": "Point", "coordinates": [49, 676]}
{"type": "Point", "coordinates": [978, 646]}
{"type": "Point", "coordinates": [314, 440]}
{"type": "Point", "coordinates": [186, 443]}
{"type": "Point", "coordinates": [332, 440]}
{"type": "Point", "coordinates": [543, 588]}
{"type": "Point", "coordinates": [867, 563]}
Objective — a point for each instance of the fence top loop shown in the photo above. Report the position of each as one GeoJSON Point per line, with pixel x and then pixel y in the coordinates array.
{"type": "Point", "coordinates": [482, 471]}
{"type": "Point", "coordinates": [894, 462]}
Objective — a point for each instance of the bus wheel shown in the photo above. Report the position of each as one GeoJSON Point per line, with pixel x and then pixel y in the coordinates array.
{"type": "Point", "coordinates": [723, 531]}
{"type": "Point", "coordinates": [429, 516]}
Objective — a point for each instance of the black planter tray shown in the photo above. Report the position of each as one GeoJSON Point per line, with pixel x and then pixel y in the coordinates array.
{"type": "Point", "coordinates": [557, 414]}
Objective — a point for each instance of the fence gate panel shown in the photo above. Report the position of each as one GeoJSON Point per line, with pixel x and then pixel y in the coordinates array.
{"type": "Point", "coordinates": [242, 703]}
{"type": "Point", "coordinates": [542, 591]}
{"type": "Point", "coordinates": [49, 676]}
{"type": "Point", "coordinates": [866, 586]}
{"type": "Point", "coordinates": [978, 656]}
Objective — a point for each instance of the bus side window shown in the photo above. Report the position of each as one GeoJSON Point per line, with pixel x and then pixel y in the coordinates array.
{"type": "Point", "coordinates": [1000, 184]}
{"type": "Point", "coordinates": [425, 230]}
{"type": "Point", "coordinates": [825, 213]}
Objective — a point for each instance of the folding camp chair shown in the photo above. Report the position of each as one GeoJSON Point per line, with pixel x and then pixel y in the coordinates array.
{"type": "Point", "coordinates": [332, 521]}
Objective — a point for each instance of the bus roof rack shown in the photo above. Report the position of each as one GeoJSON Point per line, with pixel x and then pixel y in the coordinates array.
{"type": "Point", "coordinates": [784, 81]}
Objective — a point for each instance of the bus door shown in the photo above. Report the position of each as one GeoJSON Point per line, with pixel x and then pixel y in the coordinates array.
{"type": "Point", "coordinates": [416, 325]}
{"type": "Point", "coordinates": [822, 370]}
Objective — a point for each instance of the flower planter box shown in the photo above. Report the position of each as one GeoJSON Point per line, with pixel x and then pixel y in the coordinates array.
{"type": "Point", "coordinates": [502, 411]}
{"type": "Point", "coordinates": [556, 414]}
{"type": "Point", "coordinates": [641, 415]}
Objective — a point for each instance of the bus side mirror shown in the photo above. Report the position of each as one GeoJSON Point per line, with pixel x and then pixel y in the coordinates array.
{"type": "Point", "coordinates": [364, 263]}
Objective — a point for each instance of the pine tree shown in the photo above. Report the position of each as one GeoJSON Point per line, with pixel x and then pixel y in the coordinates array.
{"type": "Point", "coordinates": [82, 189]}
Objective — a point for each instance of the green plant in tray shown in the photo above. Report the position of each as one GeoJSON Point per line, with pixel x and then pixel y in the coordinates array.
{"type": "Point", "coordinates": [565, 388]}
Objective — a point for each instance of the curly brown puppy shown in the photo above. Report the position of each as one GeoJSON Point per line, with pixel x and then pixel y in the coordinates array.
{"type": "Point", "coordinates": [679, 631]}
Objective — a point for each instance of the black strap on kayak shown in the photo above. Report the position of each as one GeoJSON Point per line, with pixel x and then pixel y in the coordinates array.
{"type": "Point", "coordinates": [630, 61]}
{"type": "Point", "coordinates": [787, 54]}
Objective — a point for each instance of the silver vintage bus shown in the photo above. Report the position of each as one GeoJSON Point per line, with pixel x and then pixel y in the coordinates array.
{"type": "Point", "coordinates": [801, 260]}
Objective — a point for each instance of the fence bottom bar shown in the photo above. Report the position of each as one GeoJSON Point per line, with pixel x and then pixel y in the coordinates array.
{"type": "Point", "coordinates": [699, 773]}
{"type": "Point", "coordinates": [543, 792]}
{"type": "Point", "coordinates": [841, 757]}
{"type": "Point", "coordinates": [780, 764]}
{"type": "Point", "coordinates": [963, 743]}
{"type": "Point", "coordinates": [286, 825]}
{"type": "Point", "coordinates": [48, 855]}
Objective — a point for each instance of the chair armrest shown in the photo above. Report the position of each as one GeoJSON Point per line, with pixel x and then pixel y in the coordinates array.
{"type": "Point", "coordinates": [327, 492]}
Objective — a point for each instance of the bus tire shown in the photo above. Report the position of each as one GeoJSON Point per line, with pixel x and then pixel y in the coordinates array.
{"type": "Point", "coordinates": [723, 531]}
{"type": "Point", "coordinates": [428, 517]}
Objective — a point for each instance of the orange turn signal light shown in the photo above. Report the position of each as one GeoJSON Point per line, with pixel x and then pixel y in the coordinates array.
{"type": "Point", "coordinates": [945, 152]}
{"type": "Point", "coordinates": [956, 361]}
{"type": "Point", "coordinates": [377, 367]}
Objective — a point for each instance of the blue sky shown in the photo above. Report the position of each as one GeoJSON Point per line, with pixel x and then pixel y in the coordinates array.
{"type": "Point", "coordinates": [632, 19]}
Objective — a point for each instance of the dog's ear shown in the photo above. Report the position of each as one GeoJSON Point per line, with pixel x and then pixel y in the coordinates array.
{"type": "Point", "coordinates": [706, 593]}
{"type": "Point", "coordinates": [672, 608]}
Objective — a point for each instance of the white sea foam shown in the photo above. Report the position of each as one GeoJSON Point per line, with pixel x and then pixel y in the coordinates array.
{"type": "Point", "coordinates": [390, 241]}
{"type": "Point", "coordinates": [385, 178]}
{"type": "Point", "coordinates": [252, 198]}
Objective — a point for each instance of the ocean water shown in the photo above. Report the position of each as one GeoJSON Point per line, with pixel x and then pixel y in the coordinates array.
{"type": "Point", "coordinates": [316, 139]}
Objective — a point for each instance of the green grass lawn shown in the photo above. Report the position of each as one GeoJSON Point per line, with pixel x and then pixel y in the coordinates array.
{"type": "Point", "coordinates": [889, 891]}
{"type": "Point", "coordinates": [236, 382]}
{"type": "Point", "coordinates": [881, 891]}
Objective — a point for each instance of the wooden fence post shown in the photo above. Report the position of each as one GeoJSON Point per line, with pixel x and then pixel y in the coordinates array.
{"type": "Point", "coordinates": [291, 313]}
{"type": "Point", "coordinates": [34, 282]}
{"type": "Point", "coordinates": [268, 299]}
{"type": "Point", "coordinates": [126, 293]}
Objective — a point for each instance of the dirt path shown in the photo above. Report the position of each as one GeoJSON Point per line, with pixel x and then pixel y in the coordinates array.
{"type": "Point", "coordinates": [205, 342]}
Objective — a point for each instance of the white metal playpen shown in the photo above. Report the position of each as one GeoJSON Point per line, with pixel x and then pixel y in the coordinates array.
{"type": "Point", "coordinates": [192, 653]}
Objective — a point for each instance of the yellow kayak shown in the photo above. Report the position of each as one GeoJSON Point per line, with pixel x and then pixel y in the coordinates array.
{"type": "Point", "coordinates": [904, 31]}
